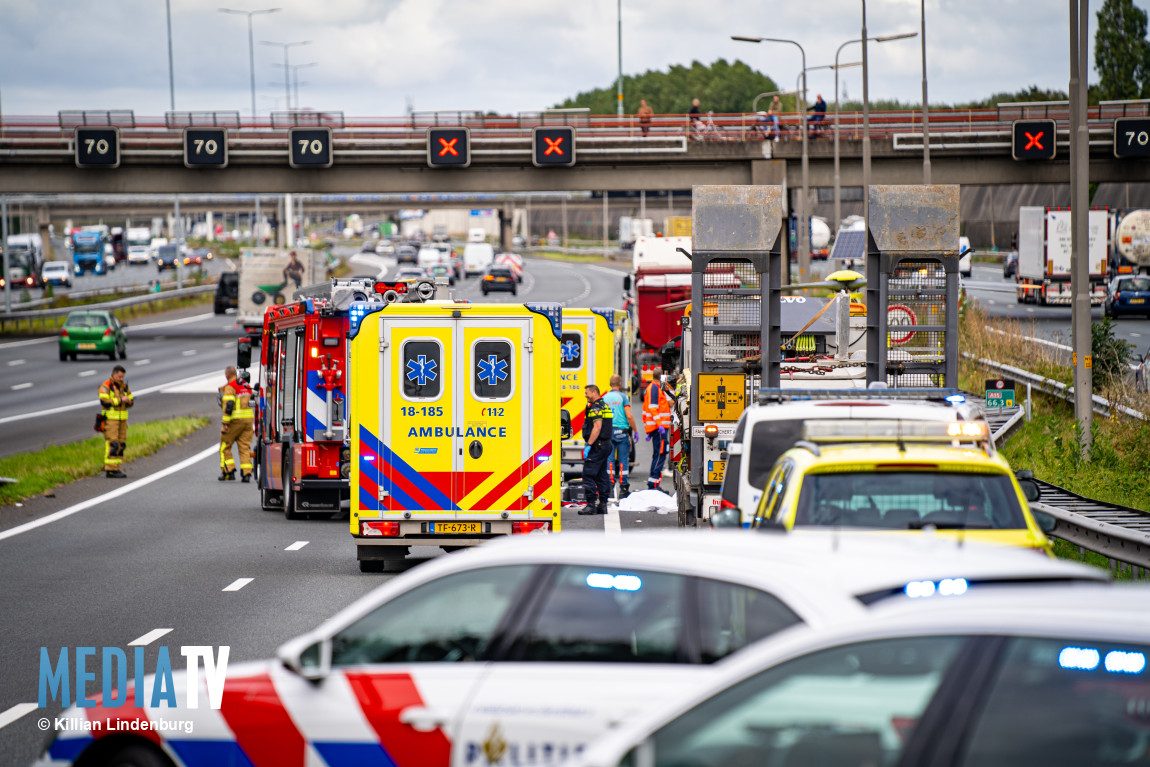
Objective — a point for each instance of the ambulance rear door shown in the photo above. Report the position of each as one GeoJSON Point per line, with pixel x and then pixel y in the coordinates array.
{"type": "Point", "coordinates": [495, 462]}
{"type": "Point", "coordinates": [576, 367]}
{"type": "Point", "coordinates": [414, 449]}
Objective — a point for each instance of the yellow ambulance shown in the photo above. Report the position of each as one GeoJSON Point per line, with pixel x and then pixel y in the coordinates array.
{"type": "Point", "coordinates": [455, 425]}
{"type": "Point", "coordinates": [596, 344]}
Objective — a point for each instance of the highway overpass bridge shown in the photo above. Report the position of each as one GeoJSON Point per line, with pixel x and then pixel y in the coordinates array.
{"type": "Point", "coordinates": [38, 155]}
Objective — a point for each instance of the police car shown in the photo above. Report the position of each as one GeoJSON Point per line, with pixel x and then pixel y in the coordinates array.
{"type": "Point", "coordinates": [525, 649]}
{"type": "Point", "coordinates": [767, 429]}
{"type": "Point", "coordinates": [902, 475]}
{"type": "Point", "coordinates": [1007, 678]}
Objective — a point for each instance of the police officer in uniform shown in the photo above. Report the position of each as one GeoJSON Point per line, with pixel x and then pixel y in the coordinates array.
{"type": "Point", "coordinates": [236, 402]}
{"type": "Point", "coordinates": [597, 434]}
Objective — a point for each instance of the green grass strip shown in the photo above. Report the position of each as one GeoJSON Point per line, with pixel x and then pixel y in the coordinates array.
{"type": "Point", "coordinates": [40, 471]}
{"type": "Point", "coordinates": [582, 258]}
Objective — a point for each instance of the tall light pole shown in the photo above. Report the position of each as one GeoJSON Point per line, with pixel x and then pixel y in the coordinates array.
{"type": "Point", "coordinates": [251, 45]}
{"type": "Point", "coordinates": [1079, 232]}
{"type": "Point", "coordinates": [804, 233]}
{"type": "Point", "coordinates": [925, 106]}
{"type": "Point", "coordinates": [295, 68]}
{"type": "Point", "coordinates": [866, 133]}
{"type": "Point", "coordinates": [287, 71]}
{"type": "Point", "coordinates": [619, 94]}
{"type": "Point", "coordinates": [171, 67]}
{"type": "Point", "coordinates": [838, 183]}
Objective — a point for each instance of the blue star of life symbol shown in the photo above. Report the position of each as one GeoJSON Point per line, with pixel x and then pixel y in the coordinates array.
{"type": "Point", "coordinates": [492, 370]}
{"type": "Point", "coordinates": [421, 370]}
{"type": "Point", "coordinates": [569, 350]}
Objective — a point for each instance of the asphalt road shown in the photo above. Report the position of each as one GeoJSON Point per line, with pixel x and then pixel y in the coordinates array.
{"type": "Point", "coordinates": [104, 571]}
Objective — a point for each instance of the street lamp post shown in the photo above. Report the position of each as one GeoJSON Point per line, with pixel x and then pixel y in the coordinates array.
{"type": "Point", "coordinates": [838, 183]}
{"type": "Point", "coordinates": [803, 225]}
{"type": "Point", "coordinates": [171, 66]}
{"type": "Point", "coordinates": [619, 11]}
{"type": "Point", "coordinates": [287, 71]}
{"type": "Point", "coordinates": [295, 68]}
{"type": "Point", "coordinates": [251, 45]}
{"type": "Point", "coordinates": [925, 106]}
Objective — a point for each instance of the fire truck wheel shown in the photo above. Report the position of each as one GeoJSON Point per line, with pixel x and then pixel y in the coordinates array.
{"type": "Point", "coordinates": [289, 497]}
{"type": "Point", "coordinates": [372, 565]}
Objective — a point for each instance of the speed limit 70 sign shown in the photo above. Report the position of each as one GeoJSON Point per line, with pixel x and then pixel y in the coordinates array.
{"type": "Point", "coordinates": [310, 148]}
{"type": "Point", "coordinates": [1132, 137]}
{"type": "Point", "coordinates": [97, 147]}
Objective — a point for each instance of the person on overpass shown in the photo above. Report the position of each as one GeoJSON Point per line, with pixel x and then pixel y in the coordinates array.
{"type": "Point", "coordinates": [820, 113]}
{"type": "Point", "coordinates": [238, 427]}
{"type": "Point", "coordinates": [657, 422]}
{"type": "Point", "coordinates": [597, 434]}
{"type": "Point", "coordinates": [115, 399]}
{"type": "Point", "coordinates": [645, 113]}
{"type": "Point", "coordinates": [622, 428]}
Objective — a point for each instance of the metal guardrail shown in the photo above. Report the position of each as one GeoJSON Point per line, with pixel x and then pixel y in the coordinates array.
{"type": "Point", "coordinates": [43, 315]}
{"type": "Point", "coordinates": [1119, 533]}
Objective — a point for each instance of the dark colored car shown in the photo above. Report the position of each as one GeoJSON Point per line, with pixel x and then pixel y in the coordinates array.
{"type": "Point", "coordinates": [166, 257]}
{"type": "Point", "coordinates": [92, 332]}
{"type": "Point", "coordinates": [497, 278]}
{"type": "Point", "coordinates": [227, 292]}
{"type": "Point", "coordinates": [1128, 294]}
{"type": "Point", "coordinates": [1010, 268]}
{"type": "Point", "coordinates": [406, 254]}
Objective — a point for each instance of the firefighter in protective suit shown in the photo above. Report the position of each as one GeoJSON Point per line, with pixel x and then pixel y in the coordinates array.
{"type": "Point", "coordinates": [115, 399]}
{"type": "Point", "coordinates": [236, 401]}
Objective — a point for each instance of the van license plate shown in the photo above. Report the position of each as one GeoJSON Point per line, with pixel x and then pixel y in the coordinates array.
{"type": "Point", "coordinates": [454, 528]}
{"type": "Point", "coordinates": [85, 346]}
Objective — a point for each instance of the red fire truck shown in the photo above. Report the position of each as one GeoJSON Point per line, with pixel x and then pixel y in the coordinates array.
{"type": "Point", "coordinates": [301, 443]}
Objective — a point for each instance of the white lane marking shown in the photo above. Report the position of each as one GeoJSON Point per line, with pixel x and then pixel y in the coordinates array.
{"type": "Point", "coordinates": [123, 490]}
{"type": "Point", "coordinates": [238, 584]}
{"type": "Point", "coordinates": [142, 362]}
{"type": "Point", "coordinates": [297, 546]}
{"type": "Point", "coordinates": [611, 524]}
{"type": "Point", "coordinates": [148, 638]}
{"type": "Point", "coordinates": [607, 269]}
{"type": "Point", "coordinates": [30, 342]}
{"type": "Point", "coordinates": [1029, 310]}
{"type": "Point", "coordinates": [1132, 335]}
{"type": "Point", "coordinates": [20, 386]}
{"type": "Point", "coordinates": [165, 323]}
{"type": "Point", "coordinates": [165, 387]}
{"type": "Point", "coordinates": [14, 363]}
{"type": "Point", "coordinates": [85, 373]}
{"type": "Point", "coordinates": [229, 344]}
{"type": "Point", "coordinates": [188, 352]}
{"type": "Point", "coordinates": [14, 713]}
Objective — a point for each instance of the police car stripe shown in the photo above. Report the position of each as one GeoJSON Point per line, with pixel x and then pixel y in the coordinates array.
{"type": "Point", "coordinates": [382, 697]}
{"type": "Point", "coordinates": [127, 713]}
{"type": "Point", "coordinates": [209, 753]}
{"type": "Point", "coordinates": [353, 755]}
{"type": "Point", "coordinates": [265, 732]}
{"type": "Point", "coordinates": [66, 749]}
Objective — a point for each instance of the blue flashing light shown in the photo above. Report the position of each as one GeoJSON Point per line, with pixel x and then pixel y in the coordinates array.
{"type": "Point", "coordinates": [947, 587]}
{"type": "Point", "coordinates": [1119, 662]}
{"type": "Point", "coordinates": [357, 311]}
{"type": "Point", "coordinates": [606, 313]}
{"type": "Point", "coordinates": [1079, 658]}
{"type": "Point", "coordinates": [543, 458]}
{"type": "Point", "coordinates": [952, 587]}
{"type": "Point", "coordinates": [617, 582]}
{"type": "Point", "coordinates": [918, 589]}
{"type": "Point", "coordinates": [956, 399]}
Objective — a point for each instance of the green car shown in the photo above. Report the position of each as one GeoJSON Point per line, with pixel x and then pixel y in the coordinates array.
{"type": "Point", "coordinates": [92, 332]}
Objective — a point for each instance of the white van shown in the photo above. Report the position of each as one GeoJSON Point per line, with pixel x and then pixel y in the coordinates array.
{"type": "Point", "coordinates": [476, 235]}
{"type": "Point", "coordinates": [429, 256]}
{"type": "Point", "coordinates": [477, 256]}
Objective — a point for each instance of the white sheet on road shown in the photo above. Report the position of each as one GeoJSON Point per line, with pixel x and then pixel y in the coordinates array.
{"type": "Point", "coordinates": [649, 500]}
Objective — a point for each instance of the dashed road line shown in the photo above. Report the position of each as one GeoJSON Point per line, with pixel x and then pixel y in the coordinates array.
{"type": "Point", "coordinates": [148, 638]}
{"type": "Point", "coordinates": [85, 373]}
{"type": "Point", "coordinates": [14, 363]}
{"type": "Point", "coordinates": [238, 584]}
{"type": "Point", "coordinates": [20, 386]}
{"type": "Point", "coordinates": [188, 352]}
{"type": "Point", "coordinates": [142, 362]}
{"type": "Point", "coordinates": [14, 713]}
{"type": "Point", "coordinates": [296, 546]}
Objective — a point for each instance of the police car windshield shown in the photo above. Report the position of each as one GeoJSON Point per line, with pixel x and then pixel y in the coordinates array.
{"type": "Point", "coordinates": [910, 500]}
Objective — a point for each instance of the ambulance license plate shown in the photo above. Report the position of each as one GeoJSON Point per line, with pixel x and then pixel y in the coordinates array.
{"type": "Point", "coordinates": [454, 528]}
{"type": "Point", "coordinates": [85, 346]}
{"type": "Point", "coordinates": [715, 470]}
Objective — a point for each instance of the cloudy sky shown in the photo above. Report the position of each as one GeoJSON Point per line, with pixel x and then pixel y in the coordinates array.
{"type": "Point", "coordinates": [377, 57]}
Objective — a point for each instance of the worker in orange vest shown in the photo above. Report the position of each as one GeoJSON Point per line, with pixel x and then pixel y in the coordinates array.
{"type": "Point", "coordinates": [657, 422]}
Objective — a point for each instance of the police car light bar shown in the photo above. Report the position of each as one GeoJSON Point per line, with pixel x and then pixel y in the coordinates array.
{"type": "Point", "coordinates": [895, 431]}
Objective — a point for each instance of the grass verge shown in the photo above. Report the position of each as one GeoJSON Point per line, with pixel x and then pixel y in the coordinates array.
{"type": "Point", "coordinates": [582, 258]}
{"type": "Point", "coordinates": [42, 470]}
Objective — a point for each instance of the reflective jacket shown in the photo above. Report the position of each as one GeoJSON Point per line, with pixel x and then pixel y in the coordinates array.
{"type": "Point", "coordinates": [115, 399]}
{"type": "Point", "coordinates": [236, 401]}
{"type": "Point", "coordinates": [656, 407]}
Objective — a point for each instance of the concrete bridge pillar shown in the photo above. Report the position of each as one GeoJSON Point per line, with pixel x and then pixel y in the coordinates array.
{"type": "Point", "coordinates": [43, 221]}
{"type": "Point", "coordinates": [505, 219]}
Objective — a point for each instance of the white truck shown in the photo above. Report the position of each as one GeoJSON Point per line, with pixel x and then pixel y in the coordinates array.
{"type": "Point", "coordinates": [631, 229]}
{"type": "Point", "coordinates": [1044, 247]}
{"type": "Point", "coordinates": [270, 277]}
{"type": "Point", "coordinates": [139, 240]}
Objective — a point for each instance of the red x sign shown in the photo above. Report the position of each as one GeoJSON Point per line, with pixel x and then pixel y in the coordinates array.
{"type": "Point", "coordinates": [553, 145]}
{"type": "Point", "coordinates": [1033, 140]}
{"type": "Point", "coordinates": [448, 147]}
